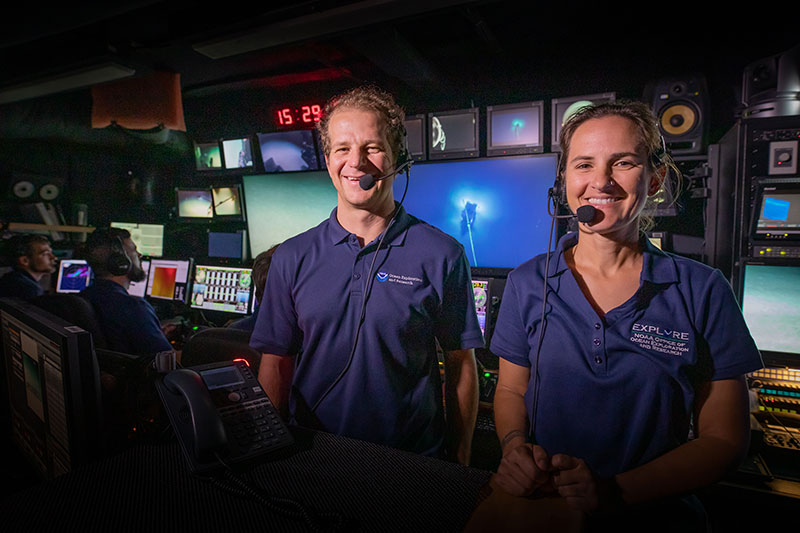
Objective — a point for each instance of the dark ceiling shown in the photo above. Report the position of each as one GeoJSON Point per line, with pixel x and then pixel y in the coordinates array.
{"type": "Point", "coordinates": [431, 54]}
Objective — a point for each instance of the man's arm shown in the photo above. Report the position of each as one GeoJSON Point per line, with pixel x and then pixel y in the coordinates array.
{"type": "Point", "coordinates": [461, 402]}
{"type": "Point", "coordinates": [275, 376]}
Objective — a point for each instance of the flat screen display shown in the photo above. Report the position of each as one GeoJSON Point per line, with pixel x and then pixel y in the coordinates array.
{"type": "Point", "coordinates": [149, 238]}
{"type": "Point", "coordinates": [514, 128]}
{"type": "Point", "coordinates": [168, 279]}
{"type": "Point", "coordinates": [219, 288]}
{"type": "Point", "coordinates": [238, 153]}
{"type": "Point", "coordinates": [480, 292]}
{"type": "Point", "coordinates": [564, 108]}
{"type": "Point", "coordinates": [280, 206]}
{"type": "Point", "coordinates": [415, 136]}
{"type": "Point", "coordinates": [770, 302]}
{"type": "Point", "coordinates": [496, 208]}
{"type": "Point", "coordinates": [74, 275]}
{"type": "Point", "coordinates": [453, 134]}
{"type": "Point", "coordinates": [226, 244]}
{"type": "Point", "coordinates": [207, 156]}
{"type": "Point", "coordinates": [195, 203]}
{"type": "Point", "coordinates": [778, 212]}
{"type": "Point", "coordinates": [139, 288]}
{"type": "Point", "coordinates": [288, 151]}
{"type": "Point", "coordinates": [227, 201]}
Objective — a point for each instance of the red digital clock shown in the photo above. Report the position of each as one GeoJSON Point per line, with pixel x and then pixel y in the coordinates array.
{"type": "Point", "coordinates": [298, 116]}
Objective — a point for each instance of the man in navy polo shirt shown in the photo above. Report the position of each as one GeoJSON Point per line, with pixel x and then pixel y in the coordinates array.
{"type": "Point", "coordinates": [354, 307]}
{"type": "Point", "coordinates": [32, 258]}
{"type": "Point", "coordinates": [129, 323]}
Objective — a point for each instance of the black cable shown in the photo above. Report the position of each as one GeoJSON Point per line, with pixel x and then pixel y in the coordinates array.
{"type": "Point", "coordinates": [363, 310]}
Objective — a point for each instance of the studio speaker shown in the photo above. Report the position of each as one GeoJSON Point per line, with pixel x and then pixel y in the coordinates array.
{"type": "Point", "coordinates": [682, 108]}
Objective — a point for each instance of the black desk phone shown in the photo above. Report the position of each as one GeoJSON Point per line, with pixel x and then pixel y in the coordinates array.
{"type": "Point", "coordinates": [219, 411]}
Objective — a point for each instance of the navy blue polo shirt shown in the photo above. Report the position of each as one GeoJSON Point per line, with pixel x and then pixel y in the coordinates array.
{"type": "Point", "coordinates": [129, 323]}
{"type": "Point", "coordinates": [619, 391]}
{"type": "Point", "coordinates": [18, 283]}
{"type": "Point", "coordinates": [421, 292]}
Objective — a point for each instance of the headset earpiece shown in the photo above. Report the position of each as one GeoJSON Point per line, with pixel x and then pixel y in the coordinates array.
{"type": "Point", "coordinates": [118, 263]}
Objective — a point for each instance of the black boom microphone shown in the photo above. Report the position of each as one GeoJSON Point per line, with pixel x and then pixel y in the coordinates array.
{"type": "Point", "coordinates": [585, 213]}
{"type": "Point", "coordinates": [368, 181]}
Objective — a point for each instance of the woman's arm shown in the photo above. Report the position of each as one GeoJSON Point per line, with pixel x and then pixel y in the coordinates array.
{"type": "Point", "coordinates": [524, 467]}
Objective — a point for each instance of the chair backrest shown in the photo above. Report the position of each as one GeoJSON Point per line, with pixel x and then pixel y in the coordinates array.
{"type": "Point", "coordinates": [76, 310]}
{"type": "Point", "coordinates": [219, 344]}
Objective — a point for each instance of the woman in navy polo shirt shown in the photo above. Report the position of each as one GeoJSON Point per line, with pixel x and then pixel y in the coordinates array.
{"type": "Point", "coordinates": [633, 350]}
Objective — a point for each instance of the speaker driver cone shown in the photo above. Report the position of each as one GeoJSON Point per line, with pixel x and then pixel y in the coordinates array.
{"type": "Point", "coordinates": [678, 119]}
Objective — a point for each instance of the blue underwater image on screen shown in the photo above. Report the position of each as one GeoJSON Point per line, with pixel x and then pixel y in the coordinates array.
{"type": "Point", "coordinates": [496, 207]}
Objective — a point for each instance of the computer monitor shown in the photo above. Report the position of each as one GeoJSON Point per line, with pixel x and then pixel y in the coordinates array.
{"type": "Point", "coordinates": [230, 245]}
{"type": "Point", "coordinates": [280, 206]}
{"type": "Point", "coordinates": [227, 202]}
{"type": "Point", "coordinates": [777, 211]}
{"type": "Point", "coordinates": [139, 288]}
{"type": "Point", "coordinates": [415, 136]}
{"type": "Point", "coordinates": [480, 291]}
{"type": "Point", "coordinates": [221, 288]}
{"type": "Point", "coordinates": [514, 128]}
{"type": "Point", "coordinates": [770, 300]}
{"type": "Point", "coordinates": [288, 151]}
{"type": "Point", "coordinates": [149, 238]}
{"type": "Point", "coordinates": [496, 207]}
{"type": "Point", "coordinates": [237, 153]}
{"type": "Point", "coordinates": [169, 279]}
{"type": "Point", "coordinates": [74, 275]}
{"type": "Point", "coordinates": [194, 203]}
{"type": "Point", "coordinates": [453, 134]}
{"type": "Point", "coordinates": [53, 387]}
{"type": "Point", "coordinates": [207, 155]}
{"type": "Point", "coordinates": [564, 108]}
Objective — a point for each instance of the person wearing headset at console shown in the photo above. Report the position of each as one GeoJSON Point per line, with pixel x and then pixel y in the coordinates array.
{"type": "Point", "coordinates": [129, 323]}
{"type": "Point", "coordinates": [639, 345]}
{"type": "Point", "coordinates": [371, 372]}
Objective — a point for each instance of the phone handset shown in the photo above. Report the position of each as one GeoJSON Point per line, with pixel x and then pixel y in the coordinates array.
{"type": "Point", "coordinates": [207, 427]}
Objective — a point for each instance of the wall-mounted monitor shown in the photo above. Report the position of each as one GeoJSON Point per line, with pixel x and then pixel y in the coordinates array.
{"type": "Point", "coordinates": [770, 300]}
{"type": "Point", "coordinates": [207, 155]}
{"type": "Point", "coordinates": [74, 275]}
{"type": "Point", "coordinates": [139, 288]}
{"type": "Point", "coordinates": [288, 151]}
{"type": "Point", "coordinates": [416, 136]}
{"type": "Point", "coordinates": [194, 204]}
{"type": "Point", "coordinates": [237, 153]}
{"type": "Point", "coordinates": [227, 202]}
{"type": "Point", "coordinates": [776, 215]}
{"type": "Point", "coordinates": [231, 245]}
{"type": "Point", "coordinates": [514, 128]}
{"type": "Point", "coordinates": [280, 206]}
{"type": "Point", "coordinates": [220, 288]}
{"type": "Point", "coordinates": [53, 380]}
{"type": "Point", "coordinates": [453, 134]}
{"type": "Point", "coordinates": [496, 207]}
{"type": "Point", "coordinates": [168, 279]}
{"type": "Point", "coordinates": [149, 238]}
{"type": "Point", "coordinates": [564, 108]}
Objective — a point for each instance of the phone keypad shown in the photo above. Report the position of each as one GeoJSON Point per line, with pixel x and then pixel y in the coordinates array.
{"type": "Point", "coordinates": [254, 426]}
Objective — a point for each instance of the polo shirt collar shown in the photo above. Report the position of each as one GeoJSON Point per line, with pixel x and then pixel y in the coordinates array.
{"type": "Point", "coordinates": [657, 266]}
{"type": "Point", "coordinates": [397, 231]}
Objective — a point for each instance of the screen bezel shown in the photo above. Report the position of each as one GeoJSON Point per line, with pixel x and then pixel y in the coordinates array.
{"type": "Point", "coordinates": [240, 193]}
{"type": "Point", "coordinates": [187, 283]}
{"type": "Point", "coordinates": [460, 153]}
{"type": "Point", "coordinates": [185, 218]}
{"type": "Point", "coordinates": [514, 149]}
{"type": "Point", "coordinates": [267, 134]}
{"type": "Point", "coordinates": [61, 274]}
{"type": "Point", "coordinates": [770, 358]}
{"type": "Point", "coordinates": [247, 138]}
{"type": "Point", "coordinates": [197, 166]}
{"type": "Point", "coordinates": [211, 264]}
{"type": "Point", "coordinates": [758, 201]}
{"type": "Point", "coordinates": [418, 155]}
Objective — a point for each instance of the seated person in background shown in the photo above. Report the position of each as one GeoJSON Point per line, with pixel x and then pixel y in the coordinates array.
{"type": "Point", "coordinates": [260, 269]}
{"type": "Point", "coordinates": [130, 323]}
{"type": "Point", "coordinates": [598, 390]}
{"type": "Point", "coordinates": [31, 258]}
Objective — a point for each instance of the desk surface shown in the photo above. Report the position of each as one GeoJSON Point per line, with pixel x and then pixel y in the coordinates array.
{"type": "Point", "coordinates": [147, 488]}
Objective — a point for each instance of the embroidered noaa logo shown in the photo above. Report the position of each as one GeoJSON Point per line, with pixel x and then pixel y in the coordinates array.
{"type": "Point", "coordinates": [381, 276]}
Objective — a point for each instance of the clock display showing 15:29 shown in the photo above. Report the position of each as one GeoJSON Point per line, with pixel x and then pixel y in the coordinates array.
{"type": "Point", "coordinates": [304, 115]}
